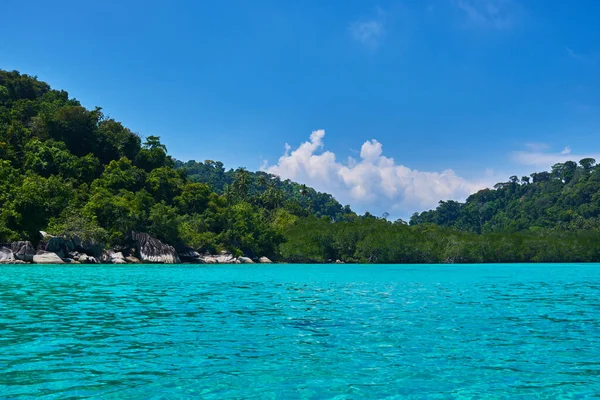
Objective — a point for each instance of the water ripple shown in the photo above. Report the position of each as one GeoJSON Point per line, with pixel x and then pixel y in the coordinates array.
{"type": "Point", "coordinates": [330, 332]}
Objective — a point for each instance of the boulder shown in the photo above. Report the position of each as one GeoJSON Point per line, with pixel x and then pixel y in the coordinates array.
{"type": "Point", "coordinates": [264, 260]}
{"type": "Point", "coordinates": [152, 250]}
{"type": "Point", "coordinates": [90, 248]}
{"type": "Point", "coordinates": [61, 246]}
{"type": "Point", "coordinates": [23, 250]}
{"type": "Point", "coordinates": [189, 255]}
{"type": "Point", "coordinates": [113, 257]}
{"type": "Point", "coordinates": [82, 258]}
{"type": "Point", "coordinates": [222, 258]}
{"type": "Point", "coordinates": [6, 255]}
{"type": "Point", "coordinates": [226, 258]}
{"type": "Point", "coordinates": [132, 260]}
{"type": "Point", "coordinates": [245, 260]}
{"type": "Point", "coordinates": [339, 262]}
{"type": "Point", "coordinates": [47, 257]}
{"type": "Point", "coordinates": [42, 245]}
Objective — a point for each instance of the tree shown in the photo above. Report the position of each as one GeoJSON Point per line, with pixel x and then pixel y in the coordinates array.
{"type": "Point", "coordinates": [194, 198]}
{"type": "Point", "coordinates": [153, 142]}
{"type": "Point", "coordinates": [241, 183]}
{"type": "Point", "coordinates": [587, 164]}
{"type": "Point", "coordinates": [164, 184]}
{"type": "Point", "coordinates": [153, 155]}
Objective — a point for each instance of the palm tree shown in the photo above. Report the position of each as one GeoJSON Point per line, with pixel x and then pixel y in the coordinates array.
{"type": "Point", "coordinates": [304, 192]}
{"type": "Point", "coordinates": [241, 183]}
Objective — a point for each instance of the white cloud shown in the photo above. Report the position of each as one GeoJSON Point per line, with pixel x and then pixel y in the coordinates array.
{"type": "Point", "coordinates": [542, 159]}
{"type": "Point", "coordinates": [375, 182]}
{"type": "Point", "coordinates": [497, 14]}
{"type": "Point", "coordinates": [369, 32]}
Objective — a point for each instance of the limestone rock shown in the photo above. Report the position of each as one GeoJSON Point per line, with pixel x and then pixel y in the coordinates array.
{"type": "Point", "coordinates": [339, 262]}
{"type": "Point", "coordinates": [264, 260]}
{"type": "Point", "coordinates": [6, 255]}
{"type": "Point", "coordinates": [245, 260]}
{"type": "Point", "coordinates": [153, 250]}
{"type": "Point", "coordinates": [47, 257]}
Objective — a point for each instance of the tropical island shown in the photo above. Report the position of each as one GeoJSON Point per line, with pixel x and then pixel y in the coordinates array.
{"type": "Point", "coordinates": [77, 186]}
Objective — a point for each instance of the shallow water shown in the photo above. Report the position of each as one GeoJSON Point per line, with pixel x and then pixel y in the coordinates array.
{"type": "Point", "coordinates": [297, 331]}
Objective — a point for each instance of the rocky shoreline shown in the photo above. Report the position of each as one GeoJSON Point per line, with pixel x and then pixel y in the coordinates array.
{"type": "Point", "coordinates": [140, 248]}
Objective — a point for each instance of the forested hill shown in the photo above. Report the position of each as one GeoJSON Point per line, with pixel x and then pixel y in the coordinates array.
{"type": "Point", "coordinates": [68, 170]}
{"type": "Point", "coordinates": [565, 198]}
{"type": "Point", "coordinates": [76, 173]}
{"type": "Point", "coordinates": [264, 187]}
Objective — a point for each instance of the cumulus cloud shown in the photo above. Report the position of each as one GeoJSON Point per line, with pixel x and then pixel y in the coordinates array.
{"type": "Point", "coordinates": [497, 14]}
{"type": "Point", "coordinates": [374, 182]}
{"type": "Point", "coordinates": [542, 159]}
{"type": "Point", "coordinates": [369, 32]}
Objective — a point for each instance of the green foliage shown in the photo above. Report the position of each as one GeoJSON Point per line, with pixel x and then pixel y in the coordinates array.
{"type": "Point", "coordinates": [71, 171]}
{"type": "Point", "coordinates": [566, 198]}
{"type": "Point", "coordinates": [72, 222]}
{"type": "Point", "coordinates": [194, 198]}
{"type": "Point", "coordinates": [372, 240]}
{"type": "Point", "coordinates": [121, 175]}
{"type": "Point", "coordinates": [164, 222]}
{"type": "Point", "coordinates": [264, 190]}
{"type": "Point", "coordinates": [164, 184]}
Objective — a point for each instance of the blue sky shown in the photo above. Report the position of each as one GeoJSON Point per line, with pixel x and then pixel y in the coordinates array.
{"type": "Point", "coordinates": [430, 99]}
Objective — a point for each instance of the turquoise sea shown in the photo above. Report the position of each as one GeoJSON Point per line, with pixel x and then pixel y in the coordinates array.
{"type": "Point", "coordinates": [300, 331]}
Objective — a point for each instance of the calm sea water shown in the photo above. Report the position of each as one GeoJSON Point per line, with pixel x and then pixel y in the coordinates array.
{"type": "Point", "coordinates": [299, 331]}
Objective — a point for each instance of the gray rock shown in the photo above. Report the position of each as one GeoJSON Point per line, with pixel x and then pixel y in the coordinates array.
{"type": "Point", "coordinates": [64, 246]}
{"type": "Point", "coordinates": [189, 255]}
{"type": "Point", "coordinates": [222, 258]}
{"type": "Point", "coordinates": [113, 257]}
{"type": "Point", "coordinates": [226, 258]}
{"type": "Point", "coordinates": [6, 255]}
{"type": "Point", "coordinates": [132, 260]}
{"type": "Point", "coordinates": [152, 250]}
{"type": "Point", "coordinates": [84, 258]}
{"type": "Point", "coordinates": [339, 262]}
{"type": "Point", "coordinates": [264, 260]}
{"type": "Point", "coordinates": [93, 249]}
{"type": "Point", "coordinates": [23, 250]}
{"type": "Point", "coordinates": [47, 257]}
{"type": "Point", "coordinates": [245, 260]}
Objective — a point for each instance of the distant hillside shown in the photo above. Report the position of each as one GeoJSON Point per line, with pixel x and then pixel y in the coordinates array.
{"type": "Point", "coordinates": [565, 198]}
{"type": "Point", "coordinates": [294, 194]}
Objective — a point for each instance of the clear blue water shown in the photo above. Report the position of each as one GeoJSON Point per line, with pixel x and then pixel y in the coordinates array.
{"type": "Point", "coordinates": [296, 331]}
